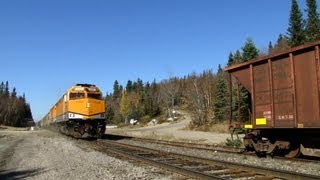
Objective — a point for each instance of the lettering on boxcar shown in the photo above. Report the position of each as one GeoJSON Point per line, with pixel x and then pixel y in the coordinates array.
{"type": "Point", "coordinates": [285, 117]}
{"type": "Point", "coordinates": [267, 114]}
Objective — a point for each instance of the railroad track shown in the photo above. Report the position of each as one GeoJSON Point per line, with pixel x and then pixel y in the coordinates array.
{"type": "Point", "coordinates": [208, 147]}
{"type": "Point", "coordinates": [194, 167]}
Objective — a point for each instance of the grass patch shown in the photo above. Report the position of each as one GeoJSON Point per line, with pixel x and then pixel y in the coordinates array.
{"type": "Point", "coordinates": [234, 143]}
{"type": "Point", "coordinates": [217, 127]}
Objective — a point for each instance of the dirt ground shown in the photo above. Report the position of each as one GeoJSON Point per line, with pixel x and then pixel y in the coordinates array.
{"type": "Point", "coordinates": [176, 130]}
{"type": "Point", "coordinates": [43, 154]}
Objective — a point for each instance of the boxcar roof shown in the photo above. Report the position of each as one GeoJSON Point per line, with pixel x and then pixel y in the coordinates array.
{"type": "Point", "coordinates": [271, 56]}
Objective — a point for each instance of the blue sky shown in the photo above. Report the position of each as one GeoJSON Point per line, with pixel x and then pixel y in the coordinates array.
{"type": "Point", "coordinates": [46, 46]}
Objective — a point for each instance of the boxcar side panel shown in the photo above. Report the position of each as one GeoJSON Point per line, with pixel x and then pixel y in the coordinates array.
{"type": "Point", "coordinates": [283, 93]}
{"type": "Point", "coordinates": [262, 96]}
{"type": "Point", "coordinates": [306, 89]}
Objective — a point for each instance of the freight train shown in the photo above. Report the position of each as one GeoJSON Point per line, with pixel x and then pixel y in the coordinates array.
{"type": "Point", "coordinates": [285, 101]}
{"type": "Point", "coordinates": [80, 113]}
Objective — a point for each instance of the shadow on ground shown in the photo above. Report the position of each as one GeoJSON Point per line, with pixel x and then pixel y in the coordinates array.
{"type": "Point", "coordinates": [15, 175]}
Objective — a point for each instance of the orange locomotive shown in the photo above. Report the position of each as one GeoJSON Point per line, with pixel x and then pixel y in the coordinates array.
{"type": "Point", "coordinates": [80, 112]}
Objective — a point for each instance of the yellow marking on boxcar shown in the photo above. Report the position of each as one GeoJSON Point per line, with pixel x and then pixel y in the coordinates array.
{"type": "Point", "coordinates": [300, 125]}
{"type": "Point", "coordinates": [261, 121]}
{"type": "Point", "coordinates": [248, 126]}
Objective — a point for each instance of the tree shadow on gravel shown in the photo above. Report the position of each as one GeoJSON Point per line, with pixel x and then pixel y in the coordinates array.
{"type": "Point", "coordinates": [15, 175]}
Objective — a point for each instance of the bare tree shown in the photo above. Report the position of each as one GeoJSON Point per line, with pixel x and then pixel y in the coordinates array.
{"type": "Point", "coordinates": [199, 95]}
{"type": "Point", "coordinates": [169, 89]}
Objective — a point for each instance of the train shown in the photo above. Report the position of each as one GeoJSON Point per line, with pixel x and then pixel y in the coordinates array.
{"type": "Point", "coordinates": [284, 90]}
{"type": "Point", "coordinates": [80, 113]}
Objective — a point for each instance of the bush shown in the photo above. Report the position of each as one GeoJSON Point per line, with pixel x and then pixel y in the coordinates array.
{"type": "Point", "coordinates": [233, 143]}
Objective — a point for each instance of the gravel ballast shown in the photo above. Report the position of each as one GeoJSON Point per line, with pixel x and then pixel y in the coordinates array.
{"type": "Point", "coordinates": [47, 155]}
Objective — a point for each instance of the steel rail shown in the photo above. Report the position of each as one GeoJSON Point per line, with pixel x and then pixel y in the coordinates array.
{"type": "Point", "coordinates": [159, 159]}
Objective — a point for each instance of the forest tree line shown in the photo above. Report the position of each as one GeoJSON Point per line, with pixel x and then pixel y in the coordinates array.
{"type": "Point", "coordinates": [14, 110]}
{"type": "Point", "coordinates": [206, 94]}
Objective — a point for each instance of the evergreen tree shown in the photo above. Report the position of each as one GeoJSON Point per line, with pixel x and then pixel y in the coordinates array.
{"type": "Point", "coordinates": [313, 22]}
{"type": "Point", "coordinates": [14, 111]}
{"type": "Point", "coordinates": [129, 86]}
{"type": "Point", "coordinates": [1, 88]}
{"type": "Point", "coordinates": [282, 44]}
{"type": "Point", "coordinates": [116, 89]}
{"type": "Point", "coordinates": [237, 57]}
{"type": "Point", "coordinates": [109, 114]}
{"type": "Point", "coordinates": [230, 59]}
{"type": "Point", "coordinates": [270, 47]}
{"type": "Point", "coordinates": [249, 51]}
{"type": "Point", "coordinates": [220, 103]}
{"type": "Point", "coordinates": [296, 28]}
{"type": "Point", "coordinates": [6, 89]}
{"type": "Point", "coordinates": [14, 93]}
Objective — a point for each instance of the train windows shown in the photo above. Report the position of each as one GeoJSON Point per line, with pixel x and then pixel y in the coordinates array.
{"type": "Point", "coordinates": [94, 95]}
{"type": "Point", "coordinates": [76, 95]}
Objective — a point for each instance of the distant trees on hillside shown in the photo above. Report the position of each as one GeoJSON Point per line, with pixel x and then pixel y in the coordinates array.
{"type": "Point", "coordinates": [206, 94]}
{"type": "Point", "coordinates": [14, 110]}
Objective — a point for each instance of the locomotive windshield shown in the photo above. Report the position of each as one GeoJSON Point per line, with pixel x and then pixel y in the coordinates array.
{"type": "Point", "coordinates": [76, 95]}
{"type": "Point", "coordinates": [94, 95]}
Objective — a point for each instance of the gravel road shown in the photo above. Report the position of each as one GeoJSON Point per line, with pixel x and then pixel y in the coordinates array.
{"type": "Point", "coordinates": [47, 155]}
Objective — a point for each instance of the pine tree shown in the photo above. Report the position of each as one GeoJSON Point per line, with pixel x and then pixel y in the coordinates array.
{"type": "Point", "coordinates": [237, 57]}
{"type": "Point", "coordinates": [282, 44]}
{"type": "Point", "coordinates": [249, 51]}
{"type": "Point", "coordinates": [109, 114]}
{"type": "Point", "coordinates": [116, 90]}
{"type": "Point", "coordinates": [313, 22]}
{"type": "Point", "coordinates": [296, 28]}
{"type": "Point", "coordinates": [14, 93]}
{"type": "Point", "coordinates": [6, 89]}
{"type": "Point", "coordinates": [129, 86]}
{"type": "Point", "coordinates": [220, 103]}
{"type": "Point", "coordinates": [1, 89]}
{"type": "Point", "coordinates": [230, 59]}
{"type": "Point", "coordinates": [270, 47]}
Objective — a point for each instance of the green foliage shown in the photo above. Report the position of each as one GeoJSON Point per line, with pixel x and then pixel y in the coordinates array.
{"type": "Point", "coordinates": [116, 89]}
{"type": "Point", "coordinates": [109, 113]}
{"type": "Point", "coordinates": [231, 60]}
{"type": "Point", "coordinates": [233, 143]}
{"type": "Point", "coordinates": [249, 51]}
{"type": "Point", "coordinates": [312, 30]}
{"type": "Point", "coordinates": [296, 34]}
{"type": "Point", "coordinates": [14, 111]}
{"type": "Point", "coordinates": [237, 57]}
{"type": "Point", "coordinates": [220, 103]}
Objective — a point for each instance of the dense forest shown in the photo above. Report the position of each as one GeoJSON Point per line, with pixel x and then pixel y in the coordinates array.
{"type": "Point", "coordinates": [14, 110]}
{"type": "Point", "coordinates": [206, 94]}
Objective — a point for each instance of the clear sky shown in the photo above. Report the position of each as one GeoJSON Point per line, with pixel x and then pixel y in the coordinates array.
{"type": "Point", "coordinates": [46, 46]}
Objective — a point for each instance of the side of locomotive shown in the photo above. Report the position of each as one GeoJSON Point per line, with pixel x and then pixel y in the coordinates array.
{"type": "Point", "coordinates": [80, 112]}
{"type": "Point", "coordinates": [285, 101]}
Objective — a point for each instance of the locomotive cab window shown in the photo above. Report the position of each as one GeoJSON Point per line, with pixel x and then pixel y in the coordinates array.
{"type": "Point", "coordinates": [94, 95]}
{"type": "Point", "coordinates": [76, 96]}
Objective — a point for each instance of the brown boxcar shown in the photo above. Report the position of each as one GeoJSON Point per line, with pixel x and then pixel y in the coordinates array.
{"type": "Point", "coordinates": [285, 101]}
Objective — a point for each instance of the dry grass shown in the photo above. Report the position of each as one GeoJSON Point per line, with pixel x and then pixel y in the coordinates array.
{"type": "Point", "coordinates": [218, 128]}
{"type": "Point", "coordinates": [10, 128]}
